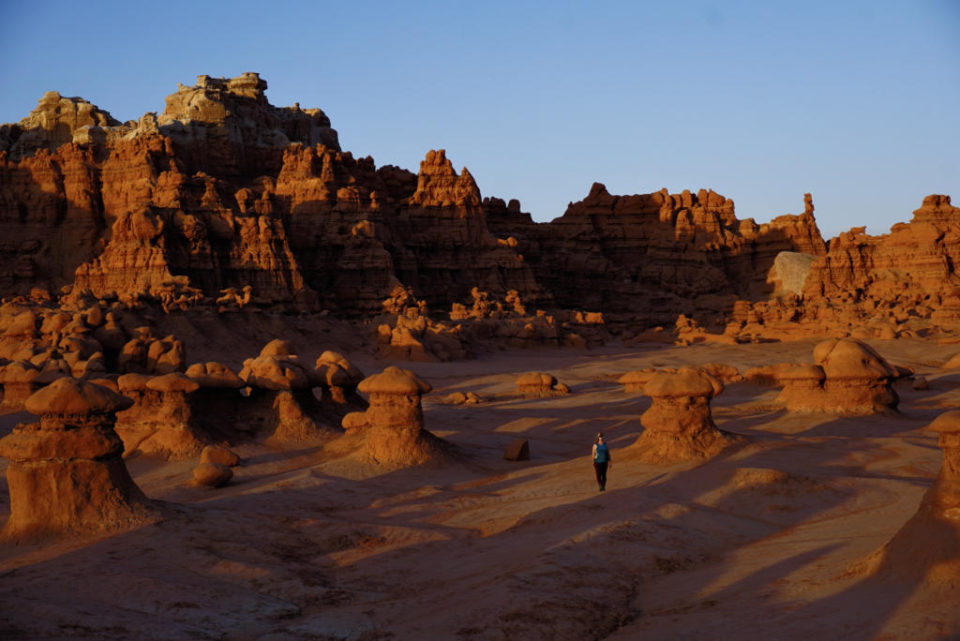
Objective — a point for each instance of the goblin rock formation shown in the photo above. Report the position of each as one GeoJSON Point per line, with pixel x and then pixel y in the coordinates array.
{"type": "Point", "coordinates": [678, 425]}
{"type": "Point", "coordinates": [848, 378]}
{"type": "Point", "coordinates": [161, 421]}
{"type": "Point", "coordinates": [66, 475]}
{"type": "Point", "coordinates": [391, 431]}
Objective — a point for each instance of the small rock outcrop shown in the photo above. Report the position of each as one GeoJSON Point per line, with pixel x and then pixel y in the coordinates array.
{"type": "Point", "coordinates": [678, 425]}
{"type": "Point", "coordinates": [66, 474]}
{"type": "Point", "coordinates": [540, 385]}
{"type": "Point", "coordinates": [392, 429]}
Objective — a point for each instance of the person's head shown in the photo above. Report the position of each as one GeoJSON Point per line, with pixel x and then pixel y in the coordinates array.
{"type": "Point", "coordinates": [599, 438]}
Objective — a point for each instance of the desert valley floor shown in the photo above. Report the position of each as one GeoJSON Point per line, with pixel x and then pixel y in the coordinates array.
{"type": "Point", "coordinates": [766, 541]}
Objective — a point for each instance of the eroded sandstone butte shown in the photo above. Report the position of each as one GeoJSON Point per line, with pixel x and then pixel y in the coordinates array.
{"type": "Point", "coordinates": [224, 201]}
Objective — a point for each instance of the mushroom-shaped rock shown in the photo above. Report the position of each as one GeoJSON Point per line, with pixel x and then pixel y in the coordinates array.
{"type": "Point", "coordinates": [683, 382]}
{"type": "Point", "coordinates": [390, 432]}
{"type": "Point", "coordinates": [394, 380]}
{"type": "Point", "coordinates": [161, 422]}
{"type": "Point", "coordinates": [216, 375]}
{"type": "Point", "coordinates": [678, 425]}
{"type": "Point", "coordinates": [132, 382]}
{"type": "Point", "coordinates": [927, 547]}
{"type": "Point", "coordinates": [66, 475]}
{"type": "Point", "coordinates": [173, 382]}
{"type": "Point", "coordinates": [72, 397]}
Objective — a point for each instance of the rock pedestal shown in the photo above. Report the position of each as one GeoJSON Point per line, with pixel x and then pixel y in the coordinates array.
{"type": "Point", "coordinates": [678, 425]}
{"type": "Point", "coordinates": [66, 474]}
{"type": "Point", "coordinates": [391, 429]}
{"type": "Point", "coordinates": [161, 421]}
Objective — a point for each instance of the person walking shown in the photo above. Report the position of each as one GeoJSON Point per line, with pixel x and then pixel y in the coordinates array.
{"type": "Point", "coordinates": [601, 460]}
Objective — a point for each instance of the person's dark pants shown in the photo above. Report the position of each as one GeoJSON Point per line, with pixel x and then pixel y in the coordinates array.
{"type": "Point", "coordinates": [601, 470]}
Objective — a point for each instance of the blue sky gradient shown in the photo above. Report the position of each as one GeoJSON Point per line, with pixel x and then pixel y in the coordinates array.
{"type": "Point", "coordinates": [856, 102]}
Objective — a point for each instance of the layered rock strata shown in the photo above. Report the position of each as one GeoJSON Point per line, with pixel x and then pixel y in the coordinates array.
{"type": "Point", "coordinates": [66, 474]}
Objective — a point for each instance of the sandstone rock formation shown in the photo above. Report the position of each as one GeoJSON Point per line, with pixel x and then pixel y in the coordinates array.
{"type": "Point", "coordinates": [927, 547]}
{"type": "Point", "coordinates": [225, 202]}
{"type": "Point", "coordinates": [636, 380]}
{"type": "Point", "coordinates": [391, 431]}
{"type": "Point", "coordinates": [281, 406]}
{"type": "Point", "coordinates": [161, 421]}
{"type": "Point", "coordinates": [678, 425]}
{"type": "Point", "coordinates": [66, 475]}
{"type": "Point", "coordinates": [848, 378]}
{"type": "Point", "coordinates": [211, 474]}
{"type": "Point", "coordinates": [540, 385]}
{"type": "Point", "coordinates": [654, 254]}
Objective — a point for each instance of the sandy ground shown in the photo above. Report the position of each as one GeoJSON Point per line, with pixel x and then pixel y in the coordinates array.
{"type": "Point", "coordinates": [755, 544]}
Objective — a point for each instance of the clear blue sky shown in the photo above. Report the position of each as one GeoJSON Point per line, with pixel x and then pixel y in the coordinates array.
{"type": "Point", "coordinates": [856, 102]}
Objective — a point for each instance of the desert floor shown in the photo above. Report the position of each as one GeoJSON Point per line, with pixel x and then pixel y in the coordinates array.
{"type": "Point", "coordinates": [760, 543]}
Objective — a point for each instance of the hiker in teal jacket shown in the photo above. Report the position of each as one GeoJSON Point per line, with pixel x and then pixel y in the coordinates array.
{"type": "Point", "coordinates": [601, 460]}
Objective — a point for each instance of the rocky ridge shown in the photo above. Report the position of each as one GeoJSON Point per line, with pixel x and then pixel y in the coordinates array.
{"type": "Point", "coordinates": [224, 202]}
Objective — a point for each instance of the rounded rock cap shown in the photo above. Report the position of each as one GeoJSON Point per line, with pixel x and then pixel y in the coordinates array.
{"type": "Point", "coordinates": [948, 422]}
{"type": "Point", "coordinates": [70, 396]}
{"type": "Point", "coordinates": [213, 374]}
{"type": "Point", "coordinates": [394, 380]}
{"type": "Point", "coordinates": [173, 382]}
{"type": "Point", "coordinates": [132, 382]}
{"type": "Point", "coordinates": [536, 379]}
{"type": "Point", "coordinates": [637, 377]}
{"type": "Point", "coordinates": [850, 358]}
{"type": "Point", "coordinates": [686, 381]}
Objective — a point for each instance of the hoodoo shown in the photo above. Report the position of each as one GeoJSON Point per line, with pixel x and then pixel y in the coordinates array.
{"type": "Point", "coordinates": [678, 425]}
{"type": "Point", "coordinates": [392, 429]}
{"type": "Point", "coordinates": [66, 474]}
